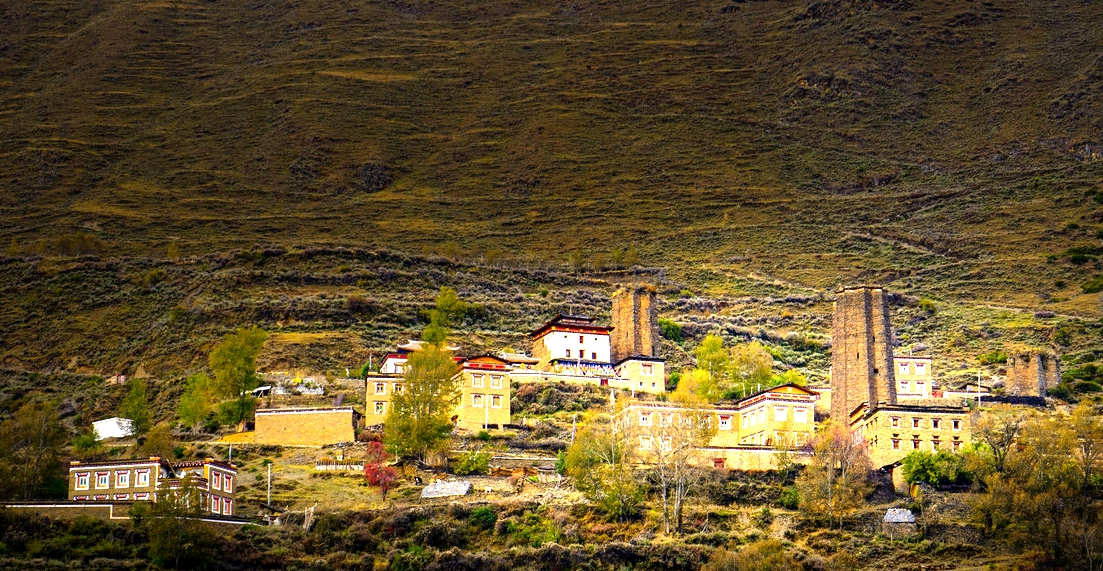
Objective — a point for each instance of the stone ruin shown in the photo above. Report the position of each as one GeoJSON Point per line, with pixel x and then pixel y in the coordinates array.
{"type": "Point", "coordinates": [635, 323]}
{"type": "Point", "coordinates": [861, 351]}
{"type": "Point", "coordinates": [1032, 374]}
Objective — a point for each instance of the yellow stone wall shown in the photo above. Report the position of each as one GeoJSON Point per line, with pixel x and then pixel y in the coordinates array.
{"type": "Point", "coordinates": [303, 427]}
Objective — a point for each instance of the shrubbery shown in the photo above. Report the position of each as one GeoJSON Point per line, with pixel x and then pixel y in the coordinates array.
{"type": "Point", "coordinates": [936, 469]}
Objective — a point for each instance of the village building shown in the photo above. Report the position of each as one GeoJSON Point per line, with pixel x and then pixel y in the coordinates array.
{"type": "Point", "coordinates": [915, 378]}
{"type": "Point", "coordinates": [485, 392]}
{"type": "Point", "coordinates": [749, 432]}
{"type": "Point", "coordinates": [572, 341]}
{"type": "Point", "coordinates": [149, 479]}
{"type": "Point", "coordinates": [114, 427]}
{"type": "Point", "coordinates": [891, 432]}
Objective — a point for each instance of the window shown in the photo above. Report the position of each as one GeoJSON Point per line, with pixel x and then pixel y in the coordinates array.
{"type": "Point", "coordinates": [957, 446]}
{"type": "Point", "coordinates": [122, 479]}
{"type": "Point", "coordinates": [477, 381]}
{"type": "Point", "coordinates": [216, 479]}
{"type": "Point", "coordinates": [915, 443]}
{"type": "Point", "coordinates": [921, 368]}
{"type": "Point", "coordinates": [398, 388]}
{"type": "Point", "coordinates": [568, 352]}
{"type": "Point", "coordinates": [121, 497]}
{"type": "Point", "coordinates": [653, 385]}
{"type": "Point", "coordinates": [216, 504]}
{"type": "Point", "coordinates": [228, 484]}
{"type": "Point", "coordinates": [725, 422]}
{"type": "Point", "coordinates": [904, 368]}
{"type": "Point", "coordinates": [400, 368]}
{"type": "Point", "coordinates": [380, 388]}
{"type": "Point", "coordinates": [895, 422]}
{"type": "Point", "coordinates": [380, 407]}
{"type": "Point", "coordinates": [645, 419]}
{"type": "Point", "coordinates": [141, 496]}
{"type": "Point", "coordinates": [227, 506]}
{"type": "Point", "coordinates": [141, 478]}
{"type": "Point", "coordinates": [800, 415]}
{"type": "Point", "coordinates": [647, 369]}
{"type": "Point", "coordinates": [920, 386]}
{"type": "Point", "coordinates": [82, 480]}
{"type": "Point", "coordinates": [957, 424]}
{"type": "Point", "coordinates": [666, 419]}
{"type": "Point", "coordinates": [934, 445]}
{"type": "Point", "coordinates": [915, 423]}
{"type": "Point", "coordinates": [718, 463]}
{"type": "Point", "coordinates": [103, 480]}
{"type": "Point", "coordinates": [895, 443]}
{"type": "Point", "coordinates": [495, 381]}
{"type": "Point", "coordinates": [936, 424]}
{"type": "Point", "coordinates": [593, 355]}
{"type": "Point", "coordinates": [496, 401]}
{"type": "Point", "coordinates": [904, 386]}
{"type": "Point", "coordinates": [645, 442]}
{"type": "Point", "coordinates": [781, 414]}
{"type": "Point", "coordinates": [477, 400]}
{"type": "Point", "coordinates": [581, 338]}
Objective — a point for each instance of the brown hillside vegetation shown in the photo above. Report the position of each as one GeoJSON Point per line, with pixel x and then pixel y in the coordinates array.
{"type": "Point", "coordinates": [950, 142]}
{"type": "Point", "coordinates": [757, 153]}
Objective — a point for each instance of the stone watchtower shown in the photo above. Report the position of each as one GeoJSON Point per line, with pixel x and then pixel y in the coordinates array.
{"type": "Point", "coordinates": [861, 351]}
{"type": "Point", "coordinates": [1032, 374]}
{"type": "Point", "coordinates": [635, 323]}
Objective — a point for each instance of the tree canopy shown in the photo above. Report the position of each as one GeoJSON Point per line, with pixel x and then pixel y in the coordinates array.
{"type": "Point", "coordinates": [233, 362]}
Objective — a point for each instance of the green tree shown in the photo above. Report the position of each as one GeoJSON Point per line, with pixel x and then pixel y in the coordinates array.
{"type": "Point", "coordinates": [30, 451]}
{"type": "Point", "coordinates": [233, 362]}
{"type": "Point", "coordinates": [177, 538]}
{"type": "Point", "coordinates": [86, 446]}
{"type": "Point", "coordinates": [195, 403]}
{"type": "Point", "coordinates": [836, 480]}
{"type": "Point", "coordinates": [752, 367]}
{"type": "Point", "coordinates": [135, 407]}
{"type": "Point", "coordinates": [420, 419]}
{"type": "Point", "coordinates": [600, 463]}
{"type": "Point", "coordinates": [159, 442]}
{"type": "Point", "coordinates": [671, 329]}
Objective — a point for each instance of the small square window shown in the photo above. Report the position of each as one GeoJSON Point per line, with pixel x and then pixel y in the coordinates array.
{"type": "Point", "coordinates": [725, 422]}
{"type": "Point", "coordinates": [581, 338]}
{"type": "Point", "coordinates": [216, 505]}
{"type": "Point", "coordinates": [82, 481]}
{"type": "Point", "coordinates": [568, 352]}
{"type": "Point", "coordinates": [216, 480]}
{"type": "Point", "coordinates": [477, 400]}
{"type": "Point", "coordinates": [495, 381]}
{"type": "Point", "coordinates": [380, 407]}
{"type": "Point", "coordinates": [122, 479]}
{"type": "Point", "coordinates": [593, 355]}
{"type": "Point", "coordinates": [380, 388]}
{"type": "Point", "coordinates": [647, 369]}
{"type": "Point", "coordinates": [103, 480]}
{"type": "Point", "coordinates": [915, 423]}
{"type": "Point", "coordinates": [477, 381]}
{"type": "Point", "coordinates": [227, 506]}
{"type": "Point", "coordinates": [936, 424]}
{"type": "Point", "coordinates": [496, 401]}
{"type": "Point", "coordinates": [141, 478]}
{"type": "Point", "coordinates": [895, 422]}
{"type": "Point", "coordinates": [915, 444]}
{"type": "Point", "coordinates": [957, 424]}
{"type": "Point", "coordinates": [228, 484]}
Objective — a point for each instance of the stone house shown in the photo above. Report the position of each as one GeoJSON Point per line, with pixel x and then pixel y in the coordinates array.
{"type": "Point", "coordinates": [148, 479]}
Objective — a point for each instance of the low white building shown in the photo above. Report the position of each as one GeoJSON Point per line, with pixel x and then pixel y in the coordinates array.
{"type": "Point", "coordinates": [113, 428]}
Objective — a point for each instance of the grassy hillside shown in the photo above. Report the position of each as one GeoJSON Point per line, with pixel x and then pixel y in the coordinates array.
{"type": "Point", "coordinates": [747, 149]}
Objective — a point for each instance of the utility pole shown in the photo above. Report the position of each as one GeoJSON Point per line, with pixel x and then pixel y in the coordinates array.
{"type": "Point", "coordinates": [269, 483]}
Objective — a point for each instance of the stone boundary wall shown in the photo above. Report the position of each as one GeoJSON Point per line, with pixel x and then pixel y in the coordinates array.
{"type": "Point", "coordinates": [304, 427]}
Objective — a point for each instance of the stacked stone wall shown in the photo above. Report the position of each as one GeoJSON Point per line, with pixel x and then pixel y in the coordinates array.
{"type": "Point", "coordinates": [304, 428]}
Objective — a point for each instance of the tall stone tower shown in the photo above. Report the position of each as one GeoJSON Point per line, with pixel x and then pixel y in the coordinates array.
{"type": "Point", "coordinates": [635, 323]}
{"type": "Point", "coordinates": [1033, 374]}
{"type": "Point", "coordinates": [861, 351]}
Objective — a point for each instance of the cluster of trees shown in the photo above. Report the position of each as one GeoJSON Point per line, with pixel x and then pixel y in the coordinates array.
{"type": "Point", "coordinates": [723, 373]}
{"type": "Point", "coordinates": [1041, 478]}
{"type": "Point", "coordinates": [31, 444]}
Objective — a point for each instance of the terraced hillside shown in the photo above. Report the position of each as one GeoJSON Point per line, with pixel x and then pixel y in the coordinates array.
{"type": "Point", "coordinates": [947, 149]}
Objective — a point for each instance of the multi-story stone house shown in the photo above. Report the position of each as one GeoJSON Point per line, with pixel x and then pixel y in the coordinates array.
{"type": "Point", "coordinates": [149, 479]}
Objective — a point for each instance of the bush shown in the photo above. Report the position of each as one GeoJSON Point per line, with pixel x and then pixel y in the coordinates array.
{"type": "Point", "coordinates": [483, 517]}
{"type": "Point", "coordinates": [1094, 285]}
{"type": "Point", "coordinates": [671, 330]}
{"type": "Point", "coordinates": [936, 469]}
{"type": "Point", "coordinates": [790, 498]}
{"type": "Point", "coordinates": [473, 463]}
{"type": "Point", "coordinates": [766, 555]}
{"type": "Point", "coordinates": [993, 358]}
